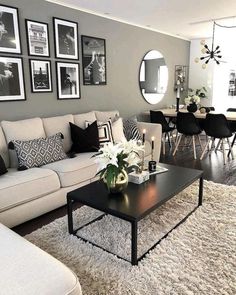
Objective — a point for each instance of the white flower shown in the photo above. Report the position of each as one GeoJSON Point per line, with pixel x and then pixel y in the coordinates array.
{"type": "Point", "coordinates": [196, 98]}
{"type": "Point", "coordinates": [133, 159]}
{"type": "Point", "coordinates": [109, 154]}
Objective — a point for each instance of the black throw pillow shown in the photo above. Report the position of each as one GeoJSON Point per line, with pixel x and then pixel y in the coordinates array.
{"type": "Point", "coordinates": [3, 168]}
{"type": "Point", "coordinates": [84, 140]}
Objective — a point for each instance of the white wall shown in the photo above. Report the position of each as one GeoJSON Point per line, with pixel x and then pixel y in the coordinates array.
{"type": "Point", "coordinates": [199, 77]}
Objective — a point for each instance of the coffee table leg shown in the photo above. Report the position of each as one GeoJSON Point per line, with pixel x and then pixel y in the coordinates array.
{"type": "Point", "coordinates": [134, 233]}
{"type": "Point", "coordinates": [200, 194]}
{"type": "Point", "coordinates": [70, 215]}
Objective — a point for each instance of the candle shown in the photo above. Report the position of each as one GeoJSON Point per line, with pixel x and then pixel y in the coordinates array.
{"type": "Point", "coordinates": [144, 132]}
{"type": "Point", "coordinates": [153, 142]}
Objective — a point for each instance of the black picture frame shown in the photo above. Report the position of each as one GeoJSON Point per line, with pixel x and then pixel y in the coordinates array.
{"type": "Point", "coordinates": [64, 33]}
{"type": "Point", "coordinates": [37, 38]}
{"type": "Point", "coordinates": [12, 83]}
{"type": "Point", "coordinates": [10, 41]}
{"type": "Point", "coordinates": [41, 80]}
{"type": "Point", "coordinates": [72, 85]}
{"type": "Point", "coordinates": [96, 51]}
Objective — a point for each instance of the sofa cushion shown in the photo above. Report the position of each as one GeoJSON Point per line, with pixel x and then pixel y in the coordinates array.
{"type": "Point", "coordinates": [3, 168]}
{"type": "Point", "coordinates": [104, 132]}
{"type": "Point", "coordinates": [117, 131]}
{"type": "Point", "coordinates": [57, 124]}
{"type": "Point", "coordinates": [28, 270]}
{"type": "Point", "coordinates": [38, 152]}
{"type": "Point", "coordinates": [22, 130]}
{"type": "Point", "coordinates": [131, 130]}
{"type": "Point", "coordinates": [19, 187]}
{"type": "Point", "coordinates": [79, 119]}
{"type": "Point", "coordinates": [84, 140]}
{"type": "Point", "coordinates": [3, 148]}
{"type": "Point", "coordinates": [75, 170]}
{"type": "Point", "coordinates": [105, 116]}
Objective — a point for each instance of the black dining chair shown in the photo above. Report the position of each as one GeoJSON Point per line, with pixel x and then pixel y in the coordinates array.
{"type": "Point", "coordinates": [217, 127]}
{"type": "Point", "coordinates": [232, 128]}
{"type": "Point", "coordinates": [188, 126]}
{"type": "Point", "coordinates": [159, 118]}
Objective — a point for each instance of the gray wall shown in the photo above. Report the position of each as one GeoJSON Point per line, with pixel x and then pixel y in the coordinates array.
{"type": "Point", "coordinates": [125, 45]}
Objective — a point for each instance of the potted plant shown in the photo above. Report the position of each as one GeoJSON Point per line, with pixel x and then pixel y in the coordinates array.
{"type": "Point", "coordinates": [115, 161]}
{"type": "Point", "coordinates": [194, 98]}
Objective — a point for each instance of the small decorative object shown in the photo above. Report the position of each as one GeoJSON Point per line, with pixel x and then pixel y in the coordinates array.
{"type": "Point", "coordinates": [194, 98]}
{"type": "Point", "coordinates": [94, 60]}
{"type": "Point", "coordinates": [115, 161]}
{"type": "Point", "coordinates": [180, 82]}
{"type": "Point", "coordinates": [9, 30]}
{"type": "Point", "coordinates": [152, 164]}
{"type": "Point", "coordinates": [40, 72]}
{"type": "Point", "coordinates": [12, 79]}
{"type": "Point", "coordinates": [138, 178]}
{"type": "Point", "coordinates": [66, 39]}
{"type": "Point", "coordinates": [37, 37]}
{"type": "Point", "coordinates": [68, 85]}
{"type": "Point", "coordinates": [192, 107]}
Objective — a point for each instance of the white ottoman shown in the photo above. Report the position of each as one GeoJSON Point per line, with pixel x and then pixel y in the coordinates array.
{"type": "Point", "coordinates": [27, 270]}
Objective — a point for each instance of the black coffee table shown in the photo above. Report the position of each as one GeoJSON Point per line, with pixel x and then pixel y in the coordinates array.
{"type": "Point", "coordinates": [137, 201]}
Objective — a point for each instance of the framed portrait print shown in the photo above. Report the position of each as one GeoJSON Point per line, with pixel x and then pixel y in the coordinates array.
{"type": "Point", "coordinates": [11, 79]}
{"type": "Point", "coordinates": [68, 81]}
{"type": "Point", "coordinates": [37, 38]}
{"type": "Point", "coordinates": [40, 73]}
{"type": "Point", "coordinates": [9, 30]}
{"type": "Point", "coordinates": [94, 60]}
{"type": "Point", "coordinates": [66, 39]}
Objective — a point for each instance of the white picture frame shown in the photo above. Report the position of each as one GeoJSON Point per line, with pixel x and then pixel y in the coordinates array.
{"type": "Point", "coordinates": [68, 80]}
{"type": "Point", "coordinates": [37, 38]}
{"type": "Point", "coordinates": [12, 85]}
{"type": "Point", "coordinates": [9, 30]}
{"type": "Point", "coordinates": [66, 39]}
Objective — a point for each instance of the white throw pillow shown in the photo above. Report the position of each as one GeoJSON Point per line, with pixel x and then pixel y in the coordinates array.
{"type": "Point", "coordinates": [117, 131]}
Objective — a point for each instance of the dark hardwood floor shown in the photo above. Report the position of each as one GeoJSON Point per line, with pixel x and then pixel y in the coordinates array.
{"type": "Point", "coordinates": [213, 167]}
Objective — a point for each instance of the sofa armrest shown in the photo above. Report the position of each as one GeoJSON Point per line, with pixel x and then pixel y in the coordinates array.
{"type": "Point", "coordinates": [152, 129]}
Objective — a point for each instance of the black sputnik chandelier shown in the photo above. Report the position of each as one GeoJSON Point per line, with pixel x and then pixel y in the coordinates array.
{"type": "Point", "coordinates": [212, 53]}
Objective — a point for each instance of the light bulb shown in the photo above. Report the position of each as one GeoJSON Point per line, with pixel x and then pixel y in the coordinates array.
{"type": "Point", "coordinates": [202, 42]}
{"type": "Point", "coordinates": [204, 66]}
{"type": "Point", "coordinates": [203, 50]}
{"type": "Point", "coordinates": [196, 60]}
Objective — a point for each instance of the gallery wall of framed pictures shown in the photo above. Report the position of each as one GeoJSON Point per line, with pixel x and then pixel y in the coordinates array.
{"type": "Point", "coordinates": [66, 44]}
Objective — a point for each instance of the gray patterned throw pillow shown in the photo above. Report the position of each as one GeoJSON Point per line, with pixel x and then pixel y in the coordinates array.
{"type": "Point", "coordinates": [130, 128]}
{"type": "Point", "coordinates": [38, 152]}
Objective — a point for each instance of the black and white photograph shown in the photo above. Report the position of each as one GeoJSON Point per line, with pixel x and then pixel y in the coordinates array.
{"type": "Point", "coordinates": [40, 72]}
{"type": "Point", "coordinates": [232, 83]}
{"type": "Point", "coordinates": [66, 39]}
{"type": "Point", "coordinates": [68, 81]}
{"type": "Point", "coordinates": [94, 60]}
{"type": "Point", "coordinates": [11, 79]}
{"type": "Point", "coordinates": [9, 30]}
{"type": "Point", "coordinates": [37, 38]}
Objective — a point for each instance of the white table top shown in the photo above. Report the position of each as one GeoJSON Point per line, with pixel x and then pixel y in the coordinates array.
{"type": "Point", "coordinates": [231, 116]}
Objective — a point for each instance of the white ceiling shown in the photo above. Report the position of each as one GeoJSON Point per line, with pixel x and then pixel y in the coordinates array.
{"type": "Point", "coordinates": [175, 17]}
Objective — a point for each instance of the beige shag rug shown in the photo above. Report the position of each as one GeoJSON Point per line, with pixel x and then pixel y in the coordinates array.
{"type": "Point", "coordinates": [198, 257]}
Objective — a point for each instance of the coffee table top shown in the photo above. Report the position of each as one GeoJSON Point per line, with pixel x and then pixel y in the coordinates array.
{"type": "Point", "coordinates": [138, 200]}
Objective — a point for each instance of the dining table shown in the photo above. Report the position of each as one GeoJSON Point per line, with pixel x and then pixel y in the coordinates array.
{"type": "Point", "coordinates": [171, 113]}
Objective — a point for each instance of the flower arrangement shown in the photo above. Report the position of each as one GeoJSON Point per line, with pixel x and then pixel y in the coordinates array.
{"type": "Point", "coordinates": [115, 160]}
{"type": "Point", "coordinates": [196, 95]}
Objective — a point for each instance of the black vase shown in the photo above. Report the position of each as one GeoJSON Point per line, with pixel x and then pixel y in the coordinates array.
{"type": "Point", "coordinates": [192, 107]}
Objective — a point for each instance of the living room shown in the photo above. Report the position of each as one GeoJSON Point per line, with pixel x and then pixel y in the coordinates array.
{"type": "Point", "coordinates": [77, 83]}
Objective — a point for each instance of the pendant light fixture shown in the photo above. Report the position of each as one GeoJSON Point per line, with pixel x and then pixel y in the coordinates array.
{"type": "Point", "coordinates": [212, 53]}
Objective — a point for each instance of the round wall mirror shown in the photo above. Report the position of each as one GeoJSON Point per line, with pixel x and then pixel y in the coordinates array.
{"type": "Point", "coordinates": [153, 77]}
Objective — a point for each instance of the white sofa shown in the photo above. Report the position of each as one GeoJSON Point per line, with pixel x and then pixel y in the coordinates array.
{"type": "Point", "coordinates": [26, 269]}
{"type": "Point", "coordinates": [27, 194]}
